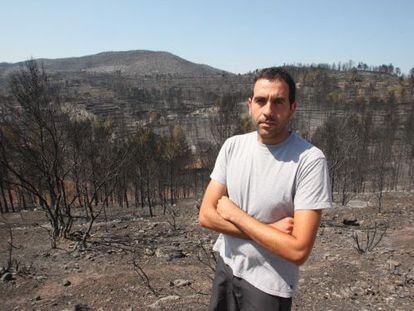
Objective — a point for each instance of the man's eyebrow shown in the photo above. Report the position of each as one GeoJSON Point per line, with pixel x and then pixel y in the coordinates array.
{"type": "Point", "coordinates": [279, 98]}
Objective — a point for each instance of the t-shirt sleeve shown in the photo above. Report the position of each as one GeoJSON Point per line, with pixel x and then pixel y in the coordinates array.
{"type": "Point", "coordinates": [219, 171]}
{"type": "Point", "coordinates": [313, 187]}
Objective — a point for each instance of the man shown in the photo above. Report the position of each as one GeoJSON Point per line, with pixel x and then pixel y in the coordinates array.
{"type": "Point", "coordinates": [260, 181]}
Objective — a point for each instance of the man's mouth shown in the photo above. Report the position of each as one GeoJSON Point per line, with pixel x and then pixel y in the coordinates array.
{"type": "Point", "coordinates": [269, 123]}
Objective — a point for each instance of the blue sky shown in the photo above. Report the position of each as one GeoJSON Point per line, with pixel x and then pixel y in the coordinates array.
{"type": "Point", "coordinates": [237, 36]}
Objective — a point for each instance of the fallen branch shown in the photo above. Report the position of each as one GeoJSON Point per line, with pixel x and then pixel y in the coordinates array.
{"type": "Point", "coordinates": [144, 277]}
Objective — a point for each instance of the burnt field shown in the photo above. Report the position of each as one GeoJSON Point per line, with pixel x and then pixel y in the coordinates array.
{"type": "Point", "coordinates": [136, 262]}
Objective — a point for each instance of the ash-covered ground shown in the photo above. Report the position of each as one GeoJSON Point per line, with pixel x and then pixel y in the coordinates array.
{"type": "Point", "coordinates": [134, 262]}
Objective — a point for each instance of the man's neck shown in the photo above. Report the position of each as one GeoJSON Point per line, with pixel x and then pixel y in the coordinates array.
{"type": "Point", "coordinates": [274, 140]}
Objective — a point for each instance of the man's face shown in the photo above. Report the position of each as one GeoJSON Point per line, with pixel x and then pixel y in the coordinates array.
{"type": "Point", "coordinates": [270, 110]}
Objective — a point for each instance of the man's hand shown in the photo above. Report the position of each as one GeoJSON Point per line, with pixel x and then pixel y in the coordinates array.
{"type": "Point", "coordinates": [227, 209]}
{"type": "Point", "coordinates": [210, 218]}
{"type": "Point", "coordinates": [284, 225]}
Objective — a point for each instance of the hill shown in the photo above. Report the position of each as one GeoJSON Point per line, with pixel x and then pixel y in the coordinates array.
{"type": "Point", "coordinates": [138, 62]}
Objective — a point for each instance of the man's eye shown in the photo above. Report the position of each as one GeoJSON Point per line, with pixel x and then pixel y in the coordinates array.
{"type": "Point", "coordinates": [279, 101]}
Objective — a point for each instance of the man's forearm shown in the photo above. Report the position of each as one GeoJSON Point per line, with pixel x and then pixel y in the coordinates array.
{"type": "Point", "coordinates": [277, 242]}
{"type": "Point", "coordinates": [212, 220]}
{"type": "Point", "coordinates": [295, 247]}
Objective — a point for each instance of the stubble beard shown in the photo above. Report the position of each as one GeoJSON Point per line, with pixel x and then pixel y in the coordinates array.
{"type": "Point", "coordinates": [272, 133]}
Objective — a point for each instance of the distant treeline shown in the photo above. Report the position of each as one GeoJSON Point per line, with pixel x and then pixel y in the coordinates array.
{"type": "Point", "coordinates": [351, 65]}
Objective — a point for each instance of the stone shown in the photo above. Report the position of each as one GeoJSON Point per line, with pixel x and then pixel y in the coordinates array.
{"type": "Point", "coordinates": [393, 264]}
{"type": "Point", "coordinates": [66, 283]}
{"type": "Point", "coordinates": [180, 282]}
{"type": "Point", "coordinates": [160, 253]}
{"type": "Point", "coordinates": [409, 277]}
{"type": "Point", "coordinates": [177, 253]}
{"type": "Point", "coordinates": [81, 307]}
{"type": "Point", "coordinates": [391, 288]}
{"type": "Point", "coordinates": [163, 300]}
{"type": "Point", "coordinates": [40, 278]}
{"type": "Point", "coordinates": [149, 252]}
{"type": "Point", "coordinates": [7, 277]}
{"type": "Point", "coordinates": [169, 253]}
{"type": "Point", "coordinates": [75, 254]}
{"type": "Point", "coordinates": [350, 222]}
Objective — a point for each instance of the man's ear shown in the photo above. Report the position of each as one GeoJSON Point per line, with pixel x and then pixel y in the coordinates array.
{"type": "Point", "coordinates": [293, 107]}
{"type": "Point", "coordinates": [249, 104]}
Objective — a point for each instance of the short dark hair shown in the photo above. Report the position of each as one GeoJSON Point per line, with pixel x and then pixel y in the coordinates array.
{"type": "Point", "coordinates": [278, 73]}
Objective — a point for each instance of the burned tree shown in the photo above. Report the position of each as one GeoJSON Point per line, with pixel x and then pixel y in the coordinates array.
{"type": "Point", "coordinates": [34, 142]}
{"type": "Point", "coordinates": [339, 138]}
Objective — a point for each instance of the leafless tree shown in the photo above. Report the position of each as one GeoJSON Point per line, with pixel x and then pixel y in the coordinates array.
{"type": "Point", "coordinates": [227, 119]}
{"type": "Point", "coordinates": [34, 142]}
{"type": "Point", "coordinates": [382, 157]}
{"type": "Point", "coordinates": [373, 237]}
{"type": "Point", "coordinates": [339, 138]}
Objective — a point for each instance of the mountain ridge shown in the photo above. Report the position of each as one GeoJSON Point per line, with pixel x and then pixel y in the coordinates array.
{"type": "Point", "coordinates": [132, 62]}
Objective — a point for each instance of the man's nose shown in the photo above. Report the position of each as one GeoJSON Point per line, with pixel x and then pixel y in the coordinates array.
{"type": "Point", "coordinates": [267, 109]}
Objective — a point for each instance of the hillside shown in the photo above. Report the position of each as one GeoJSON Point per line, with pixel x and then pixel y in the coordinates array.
{"type": "Point", "coordinates": [139, 62]}
{"type": "Point", "coordinates": [163, 90]}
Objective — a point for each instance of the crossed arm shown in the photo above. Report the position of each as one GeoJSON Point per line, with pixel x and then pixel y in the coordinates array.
{"type": "Point", "coordinates": [220, 214]}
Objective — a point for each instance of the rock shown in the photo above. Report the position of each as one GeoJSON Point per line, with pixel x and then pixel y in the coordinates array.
{"type": "Point", "coordinates": [75, 254]}
{"type": "Point", "coordinates": [169, 253]}
{"type": "Point", "coordinates": [391, 288]}
{"type": "Point", "coordinates": [149, 252]}
{"type": "Point", "coordinates": [40, 278]}
{"type": "Point", "coordinates": [350, 222]}
{"type": "Point", "coordinates": [66, 282]}
{"type": "Point", "coordinates": [160, 253]}
{"type": "Point", "coordinates": [409, 277]}
{"type": "Point", "coordinates": [37, 298]}
{"type": "Point", "coordinates": [177, 253]}
{"type": "Point", "coordinates": [180, 282]}
{"type": "Point", "coordinates": [81, 307]}
{"type": "Point", "coordinates": [163, 300]}
{"type": "Point", "coordinates": [7, 277]}
{"type": "Point", "coordinates": [393, 264]}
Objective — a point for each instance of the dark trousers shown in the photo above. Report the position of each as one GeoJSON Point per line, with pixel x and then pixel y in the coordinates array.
{"type": "Point", "coordinates": [231, 293]}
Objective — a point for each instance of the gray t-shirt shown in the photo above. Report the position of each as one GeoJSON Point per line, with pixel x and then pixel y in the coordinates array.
{"type": "Point", "coordinates": [269, 182]}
